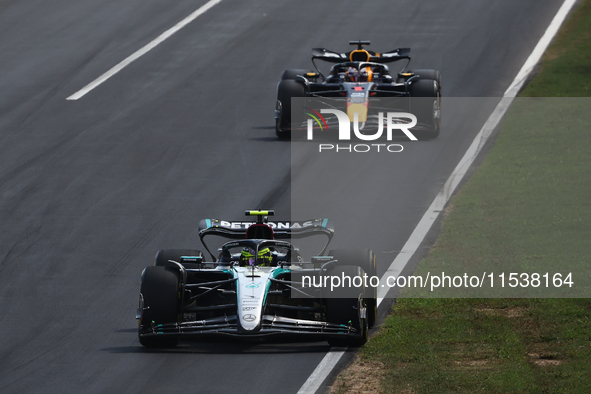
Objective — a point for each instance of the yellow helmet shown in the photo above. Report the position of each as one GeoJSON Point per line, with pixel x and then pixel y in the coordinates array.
{"type": "Point", "coordinates": [264, 257]}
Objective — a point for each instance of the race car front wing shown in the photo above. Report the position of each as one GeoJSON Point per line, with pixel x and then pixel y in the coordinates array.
{"type": "Point", "coordinates": [271, 325]}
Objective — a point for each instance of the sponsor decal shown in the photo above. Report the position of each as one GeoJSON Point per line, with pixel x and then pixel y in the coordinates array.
{"type": "Point", "coordinates": [273, 225]}
{"type": "Point", "coordinates": [249, 318]}
{"type": "Point", "coordinates": [253, 285]}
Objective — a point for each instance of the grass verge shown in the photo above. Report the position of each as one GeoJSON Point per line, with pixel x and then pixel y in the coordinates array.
{"type": "Point", "coordinates": [526, 207]}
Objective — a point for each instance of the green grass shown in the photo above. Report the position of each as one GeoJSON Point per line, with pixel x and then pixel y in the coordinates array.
{"type": "Point", "coordinates": [566, 65]}
{"type": "Point", "coordinates": [485, 345]}
{"type": "Point", "coordinates": [526, 209]}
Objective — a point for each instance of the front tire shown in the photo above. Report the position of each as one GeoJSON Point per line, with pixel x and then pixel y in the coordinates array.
{"type": "Point", "coordinates": [365, 259]}
{"type": "Point", "coordinates": [344, 308]}
{"type": "Point", "coordinates": [160, 300]}
{"type": "Point", "coordinates": [425, 93]}
{"type": "Point", "coordinates": [428, 74]}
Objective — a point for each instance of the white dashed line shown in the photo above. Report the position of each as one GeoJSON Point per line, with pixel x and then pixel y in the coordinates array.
{"type": "Point", "coordinates": [142, 51]}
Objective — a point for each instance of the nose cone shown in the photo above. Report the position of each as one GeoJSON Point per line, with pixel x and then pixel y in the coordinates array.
{"type": "Point", "coordinates": [360, 109]}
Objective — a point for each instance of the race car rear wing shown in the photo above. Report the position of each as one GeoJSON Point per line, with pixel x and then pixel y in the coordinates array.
{"type": "Point", "coordinates": [281, 229]}
{"type": "Point", "coordinates": [385, 57]}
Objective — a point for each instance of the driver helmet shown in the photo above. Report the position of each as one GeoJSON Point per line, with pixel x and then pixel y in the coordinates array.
{"type": "Point", "coordinates": [247, 257]}
{"type": "Point", "coordinates": [365, 74]}
{"type": "Point", "coordinates": [352, 74]}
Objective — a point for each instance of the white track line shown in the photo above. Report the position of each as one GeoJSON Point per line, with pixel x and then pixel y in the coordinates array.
{"type": "Point", "coordinates": [142, 51]}
{"type": "Point", "coordinates": [322, 370]}
{"type": "Point", "coordinates": [418, 235]}
{"type": "Point", "coordinates": [539, 50]}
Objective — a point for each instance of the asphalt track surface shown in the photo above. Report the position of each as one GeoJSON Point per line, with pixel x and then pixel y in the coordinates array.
{"type": "Point", "coordinates": [91, 189]}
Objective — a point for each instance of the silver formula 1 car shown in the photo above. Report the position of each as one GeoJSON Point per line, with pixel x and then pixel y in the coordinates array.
{"type": "Point", "coordinates": [258, 285]}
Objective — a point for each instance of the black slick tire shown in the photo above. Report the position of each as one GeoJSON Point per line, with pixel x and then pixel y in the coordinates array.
{"type": "Point", "coordinates": [342, 307]}
{"type": "Point", "coordinates": [164, 256]}
{"type": "Point", "coordinates": [365, 259]}
{"type": "Point", "coordinates": [286, 90]}
{"type": "Point", "coordinates": [425, 96]}
{"type": "Point", "coordinates": [160, 293]}
{"type": "Point", "coordinates": [293, 74]}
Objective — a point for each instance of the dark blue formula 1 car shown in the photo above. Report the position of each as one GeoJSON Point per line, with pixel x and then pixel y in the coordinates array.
{"type": "Point", "coordinates": [360, 80]}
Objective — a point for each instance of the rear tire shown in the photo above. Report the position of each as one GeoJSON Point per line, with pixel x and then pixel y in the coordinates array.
{"type": "Point", "coordinates": [293, 74]}
{"type": "Point", "coordinates": [162, 257]}
{"type": "Point", "coordinates": [286, 90]}
{"type": "Point", "coordinates": [160, 291]}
